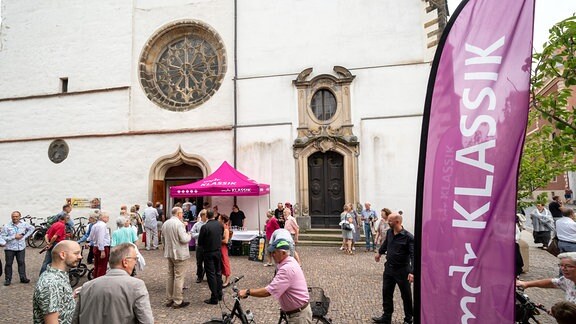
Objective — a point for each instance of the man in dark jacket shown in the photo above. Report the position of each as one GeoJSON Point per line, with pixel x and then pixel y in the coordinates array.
{"type": "Point", "coordinates": [210, 239]}
{"type": "Point", "coordinates": [398, 270]}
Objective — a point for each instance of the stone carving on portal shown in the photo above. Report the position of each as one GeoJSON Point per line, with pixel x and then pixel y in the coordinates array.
{"type": "Point", "coordinates": [339, 125]}
{"type": "Point", "coordinates": [326, 129]}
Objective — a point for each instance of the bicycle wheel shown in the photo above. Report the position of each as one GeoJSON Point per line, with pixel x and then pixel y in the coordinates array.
{"type": "Point", "coordinates": [74, 278]}
{"type": "Point", "coordinates": [81, 232]}
{"type": "Point", "coordinates": [82, 269]}
{"type": "Point", "coordinates": [36, 240]}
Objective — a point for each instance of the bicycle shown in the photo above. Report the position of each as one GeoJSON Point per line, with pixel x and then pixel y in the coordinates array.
{"type": "Point", "coordinates": [79, 271]}
{"type": "Point", "coordinates": [36, 239]}
{"type": "Point", "coordinates": [526, 310]}
{"type": "Point", "coordinates": [318, 301]}
{"type": "Point", "coordinates": [79, 228]}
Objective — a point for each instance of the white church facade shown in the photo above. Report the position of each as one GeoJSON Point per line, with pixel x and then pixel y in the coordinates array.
{"type": "Point", "coordinates": [119, 100]}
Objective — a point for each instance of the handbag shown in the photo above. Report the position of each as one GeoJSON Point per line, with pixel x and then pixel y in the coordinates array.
{"type": "Point", "coordinates": [553, 247]}
{"type": "Point", "coordinates": [346, 226]}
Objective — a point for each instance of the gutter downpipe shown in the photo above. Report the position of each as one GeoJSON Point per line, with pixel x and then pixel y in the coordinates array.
{"type": "Point", "coordinates": [235, 123]}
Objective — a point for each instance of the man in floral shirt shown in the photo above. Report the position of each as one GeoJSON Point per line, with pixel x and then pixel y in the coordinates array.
{"type": "Point", "coordinates": [53, 299]}
{"type": "Point", "coordinates": [15, 234]}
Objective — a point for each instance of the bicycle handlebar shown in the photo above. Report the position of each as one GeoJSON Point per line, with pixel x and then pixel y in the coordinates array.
{"type": "Point", "coordinates": [235, 280]}
{"type": "Point", "coordinates": [81, 217]}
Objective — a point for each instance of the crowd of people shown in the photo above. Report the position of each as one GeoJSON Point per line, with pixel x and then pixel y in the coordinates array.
{"type": "Point", "coordinates": [556, 222]}
{"type": "Point", "coordinates": [366, 221]}
{"type": "Point", "coordinates": [116, 257]}
{"type": "Point", "coordinates": [116, 295]}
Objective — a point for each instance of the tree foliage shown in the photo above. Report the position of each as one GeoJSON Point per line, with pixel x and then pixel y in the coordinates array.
{"type": "Point", "coordinates": [549, 151]}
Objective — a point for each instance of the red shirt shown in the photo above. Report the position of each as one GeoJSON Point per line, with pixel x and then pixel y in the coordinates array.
{"type": "Point", "coordinates": [271, 226]}
{"type": "Point", "coordinates": [58, 228]}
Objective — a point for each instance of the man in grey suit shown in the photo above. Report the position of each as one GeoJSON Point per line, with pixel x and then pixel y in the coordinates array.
{"type": "Point", "coordinates": [175, 240]}
{"type": "Point", "coordinates": [116, 297]}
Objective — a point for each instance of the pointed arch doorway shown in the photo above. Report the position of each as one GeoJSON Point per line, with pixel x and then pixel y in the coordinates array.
{"type": "Point", "coordinates": [172, 170]}
{"type": "Point", "coordinates": [326, 188]}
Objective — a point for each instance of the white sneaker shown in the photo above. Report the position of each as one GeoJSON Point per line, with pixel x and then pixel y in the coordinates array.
{"type": "Point", "coordinates": [341, 248]}
{"type": "Point", "coordinates": [353, 249]}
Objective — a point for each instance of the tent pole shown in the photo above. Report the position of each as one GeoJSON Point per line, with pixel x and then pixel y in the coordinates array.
{"type": "Point", "coordinates": [259, 227]}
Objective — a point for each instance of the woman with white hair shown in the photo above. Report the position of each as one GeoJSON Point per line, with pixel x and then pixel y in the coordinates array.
{"type": "Point", "coordinates": [124, 233]}
{"type": "Point", "coordinates": [566, 282]}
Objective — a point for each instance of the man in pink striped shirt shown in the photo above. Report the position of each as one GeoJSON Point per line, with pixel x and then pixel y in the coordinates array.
{"type": "Point", "coordinates": [288, 286]}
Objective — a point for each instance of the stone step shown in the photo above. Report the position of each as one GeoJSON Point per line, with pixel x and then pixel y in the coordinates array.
{"type": "Point", "coordinates": [359, 244]}
{"type": "Point", "coordinates": [323, 237]}
{"type": "Point", "coordinates": [322, 231]}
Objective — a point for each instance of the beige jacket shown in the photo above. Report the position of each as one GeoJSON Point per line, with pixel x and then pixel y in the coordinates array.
{"type": "Point", "coordinates": [175, 239]}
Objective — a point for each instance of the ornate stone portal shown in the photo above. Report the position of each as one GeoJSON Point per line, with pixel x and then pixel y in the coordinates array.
{"type": "Point", "coordinates": [182, 65]}
{"type": "Point", "coordinates": [325, 129]}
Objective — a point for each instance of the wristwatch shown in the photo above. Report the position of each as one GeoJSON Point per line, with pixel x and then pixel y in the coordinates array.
{"type": "Point", "coordinates": [247, 292]}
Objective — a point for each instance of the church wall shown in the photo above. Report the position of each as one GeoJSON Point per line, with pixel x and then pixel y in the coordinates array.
{"type": "Point", "coordinates": [267, 100]}
{"type": "Point", "coordinates": [66, 115]}
{"type": "Point", "coordinates": [152, 16]}
{"type": "Point", "coordinates": [43, 41]}
{"type": "Point", "coordinates": [115, 169]}
{"type": "Point", "coordinates": [388, 165]}
{"type": "Point", "coordinates": [98, 46]}
{"type": "Point", "coordinates": [278, 37]}
{"type": "Point", "coordinates": [265, 155]}
{"type": "Point", "coordinates": [390, 91]}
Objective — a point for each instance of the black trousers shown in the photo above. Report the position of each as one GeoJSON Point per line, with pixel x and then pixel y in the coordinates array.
{"type": "Point", "coordinates": [199, 262]}
{"type": "Point", "coordinates": [391, 278]}
{"type": "Point", "coordinates": [213, 269]}
{"type": "Point", "coordinates": [90, 259]}
{"type": "Point", "coordinates": [20, 258]}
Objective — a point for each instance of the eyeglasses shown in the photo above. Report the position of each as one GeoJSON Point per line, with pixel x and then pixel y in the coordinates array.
{"type": "Point", "coordinates": [131, 257]}
{"type": "Point", "coordinates": [566, 266]}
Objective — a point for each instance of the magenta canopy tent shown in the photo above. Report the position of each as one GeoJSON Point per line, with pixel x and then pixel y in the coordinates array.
{"type": "Point", "coordinates": [225, 181]}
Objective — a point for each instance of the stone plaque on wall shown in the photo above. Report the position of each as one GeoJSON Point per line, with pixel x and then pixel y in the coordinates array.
{"type": "Point", "coordinates": [58, 151]}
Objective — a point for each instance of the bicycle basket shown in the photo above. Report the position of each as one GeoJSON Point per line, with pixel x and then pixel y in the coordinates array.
{"type": "Point", "coordinates": [524, 308]}
{"type": "Point", "coordinates": [318, 301]}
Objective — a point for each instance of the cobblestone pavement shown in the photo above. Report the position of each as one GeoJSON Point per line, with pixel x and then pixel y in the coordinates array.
{"type": "Point", "coordinates": [542, 265]}
{"type": "Point", "coordinates": [352, 282]}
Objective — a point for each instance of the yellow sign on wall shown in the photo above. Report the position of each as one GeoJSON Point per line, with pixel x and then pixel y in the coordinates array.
{"type": "Point", "coordinates": [88, 203]}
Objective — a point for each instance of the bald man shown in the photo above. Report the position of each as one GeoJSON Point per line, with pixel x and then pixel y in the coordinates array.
{"type": "Point", "coordinates": [398, 270]}
{"type": "Point", "coordinates": [115, 297]}
{"type": "Point", "coordinates": [53, 298]}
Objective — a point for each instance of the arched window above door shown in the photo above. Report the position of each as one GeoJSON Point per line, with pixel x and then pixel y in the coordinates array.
{"type": "Point", "coordinates": [323, 105]}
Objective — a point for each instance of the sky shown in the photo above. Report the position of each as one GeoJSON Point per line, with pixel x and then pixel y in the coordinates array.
{"type": "Point", "coordinates": [548, 12]}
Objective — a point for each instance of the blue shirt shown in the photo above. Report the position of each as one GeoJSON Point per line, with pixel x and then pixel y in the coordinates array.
{"type": "Point", "coordinates": [366, 215]}
{"type": "Point", "coordinates": [84, 238]}
{"type": "Point", "coordinates": [9, 232]}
